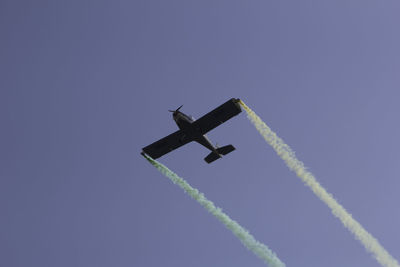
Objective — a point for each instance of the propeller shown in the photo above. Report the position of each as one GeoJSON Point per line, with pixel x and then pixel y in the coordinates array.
{"type": "Point", "coordinates": [176, 109]}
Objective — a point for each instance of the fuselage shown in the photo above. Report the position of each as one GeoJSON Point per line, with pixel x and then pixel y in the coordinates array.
{"type": "Point", "coordinates": [184, 123]}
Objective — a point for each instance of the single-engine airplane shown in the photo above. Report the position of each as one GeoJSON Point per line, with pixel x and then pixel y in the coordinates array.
{"type": "Point", "coordinates": [195, 130]}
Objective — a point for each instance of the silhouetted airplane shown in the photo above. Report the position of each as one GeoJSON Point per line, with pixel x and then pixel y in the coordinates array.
{"type": "Point", "coordinates": [195, 130]}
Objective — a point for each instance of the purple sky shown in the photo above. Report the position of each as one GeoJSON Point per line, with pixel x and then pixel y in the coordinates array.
{"type": "Point", "coordinates": [86, 84]}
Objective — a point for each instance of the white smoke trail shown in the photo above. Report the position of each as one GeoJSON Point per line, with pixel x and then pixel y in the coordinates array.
{"type": "Point", "coordinates": [287, 154]}
{"type": "Point", "coordinates": [261, 250]}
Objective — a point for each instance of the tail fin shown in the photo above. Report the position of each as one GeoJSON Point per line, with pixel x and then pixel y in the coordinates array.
{"type": "Point", "coordinates": [221, 150]}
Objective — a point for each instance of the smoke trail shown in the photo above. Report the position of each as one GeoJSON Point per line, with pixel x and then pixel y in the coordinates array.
{"type": "Point", "coordinates": [287, 154]}
{"type": "Point", "coordinates": [244, 236]}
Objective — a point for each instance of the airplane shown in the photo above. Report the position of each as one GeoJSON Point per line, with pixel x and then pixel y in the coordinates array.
{"type": "Point", "coordinates": [195, 130]}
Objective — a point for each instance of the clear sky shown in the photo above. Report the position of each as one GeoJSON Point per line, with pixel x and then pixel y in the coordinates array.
{"type": "Point", "coordinates": [86, 84]}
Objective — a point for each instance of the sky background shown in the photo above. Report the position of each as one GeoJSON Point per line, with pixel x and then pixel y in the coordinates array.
{"type": "Point", "coordinates": [86, 84]}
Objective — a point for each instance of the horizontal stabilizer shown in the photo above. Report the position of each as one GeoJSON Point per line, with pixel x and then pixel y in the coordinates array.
{"type": "Point", "coordinates": [225, 149]}
{"type": "Point", "coordinates": [221, 150]}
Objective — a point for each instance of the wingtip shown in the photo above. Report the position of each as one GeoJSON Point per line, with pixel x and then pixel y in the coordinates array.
{"type": "Point", "coordinates": [237, 101]}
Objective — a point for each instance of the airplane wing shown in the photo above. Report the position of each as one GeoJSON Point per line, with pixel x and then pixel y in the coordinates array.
{"type": "Point", "coordinates": [218, 116]}
{"type": "Point", "coordinates": [167, 144]}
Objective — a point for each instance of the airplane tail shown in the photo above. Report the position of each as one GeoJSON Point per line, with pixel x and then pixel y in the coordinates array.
{"type": "Point", "coordinates": [221, 150]}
